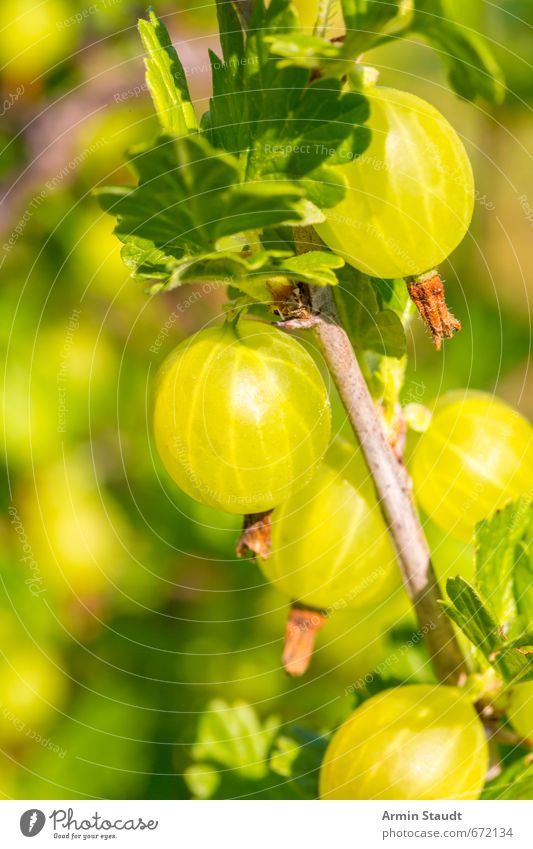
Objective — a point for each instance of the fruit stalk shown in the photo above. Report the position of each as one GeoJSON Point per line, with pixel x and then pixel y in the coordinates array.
{"type": "Point", "coordinates": [392, 483]}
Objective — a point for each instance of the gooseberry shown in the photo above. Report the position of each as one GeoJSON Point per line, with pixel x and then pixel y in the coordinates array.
{"type": "Point", "coordinates": [420, 741]}
{"type": "Point", "coordinates": [241, 416]}
{"type": "Point", "coordinates": [476, 455]}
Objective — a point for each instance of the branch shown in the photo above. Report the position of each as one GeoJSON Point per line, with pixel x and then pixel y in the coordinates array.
{"type": "Point", "coordinates": [392, 483]}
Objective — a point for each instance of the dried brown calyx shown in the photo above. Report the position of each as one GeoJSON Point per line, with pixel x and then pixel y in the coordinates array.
{"type": "Point", "coordinates": [427, 293]}
{"type": "Point", "coordinates": [255, 536]}
{"type": "Point", "coordinates": [302, 626]}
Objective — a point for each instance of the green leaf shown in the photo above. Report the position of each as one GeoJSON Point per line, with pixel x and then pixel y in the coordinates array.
{"type": "Point", "coordinates": [301, 50]}
{"type": "Point", "coordinates": [272, 91]}
{"type": "Point", "coordinates": [166, 78]}
{"type": "Point", "coordinates": [472, 70]}
{"type": "Point", "coordinates": [270, 112]}
{"type": "Point", "coordinates": [375, 16]}
{"type": "Point", "coordinates": [260, 274]}
{"type": "Point", "coordinates": [231, 37]}
{"type": "Point", "coordinates": [523, 571]}
{"type": "Point", "coordinates": [324, 126]}
{"type": "Point", "coordinates": [394, 295]}
{"type": "Point", "coordinates": [369, 327]}
{"type": "Point", "coordinates": [232, 736]}
{"type": "Point", "coordinates": [470, 613]}
{"type": "Point", "coordinates": [235, 754]}
{"type": "Point", "coordinates": [369, 22]}
{"type": "Point", "coordinates": [202, 780]}
{"type": "Point", "coordinates": [297, 756]}
{"type": "Point", "coordinates": [515, 782]}
{"type": "Point", "coordinates": [189, 199]}
{"type": "Point", "coordinates": [501, 549]}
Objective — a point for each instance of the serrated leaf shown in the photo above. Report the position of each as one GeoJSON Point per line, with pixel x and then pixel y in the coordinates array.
{"type": "Point", "coordinates": [280, 121]}
{"type": "Point", "coordinates": [166, 78]}
{"type": "Point", "coordinates": [386, 335]}
{"type": "Point", "coordinates": [231, 38]}
{"type": "Point", "coordinates": [258, 274]}
{"type": "Point", "coordinates": [297, 756]}
{"type": "Point", "coordinates": [472, 69]}
{"type": "Point", "coordinates": [236, 755]}
{"type": "Point", "coordinates": [515, 782]}
{"type": "Point", "coordinates": [273, 91]}
{"type": "Point", "coordinates": [470, 613]}
{"type": "Point", "coordinates": [499, 553]}
{"type": "Point", "coordinates": [232, 736]}
{"type": "Point", "coordinates": [523, 583]}
{"type": "Point", "coordinates": [497, 617]}
{"type": "Point", "coordinates": [189, 198]}
{"type": "Point", "coordinates": [369, 327]}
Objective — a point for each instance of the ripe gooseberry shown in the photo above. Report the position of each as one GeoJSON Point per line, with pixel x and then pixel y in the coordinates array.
{"type": "Point", "coordinates": [476, 455]}
{"type": "Point", "coordinates": [410, 194]}
{"type": "Point", "coordinates": [520, 709]}
{"type": "Point", "coordinates": [241, 416]}
{"type": "Point", "coordinates": [420, 741]}
{"type": "Point", "coordinates": [329, 543]}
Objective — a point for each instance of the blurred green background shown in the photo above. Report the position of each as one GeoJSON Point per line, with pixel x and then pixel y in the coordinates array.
{"type": "Point", "coordinates": [123, 610]}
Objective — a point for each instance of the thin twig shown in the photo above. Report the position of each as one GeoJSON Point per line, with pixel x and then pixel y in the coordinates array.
{"type": "Point", "coordinates": [391, 481]}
